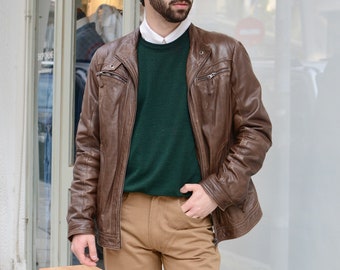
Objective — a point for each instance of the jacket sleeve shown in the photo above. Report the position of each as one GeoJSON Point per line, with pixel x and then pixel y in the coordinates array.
{"type": "Point", "coordinates": [82, 207]}
{"type": "Point", "coordinates": [249, 140]}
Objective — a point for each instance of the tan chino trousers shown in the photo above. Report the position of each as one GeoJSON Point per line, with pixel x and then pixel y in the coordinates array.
{"type": "Point", "coordinates": [156, 232]}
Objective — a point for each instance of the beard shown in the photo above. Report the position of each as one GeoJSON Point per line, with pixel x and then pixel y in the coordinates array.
{"type": "Point", "coordinates": [169, 14]}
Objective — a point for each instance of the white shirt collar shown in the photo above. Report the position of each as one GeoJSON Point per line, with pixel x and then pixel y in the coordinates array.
{"type": "Point", "coordinates": [81, 22]}
{"type": "Point", "coordinates": [151, 36]}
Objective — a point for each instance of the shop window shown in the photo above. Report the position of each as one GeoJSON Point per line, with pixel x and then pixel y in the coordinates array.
{"type": "Point", "coordinates": [96, 23]}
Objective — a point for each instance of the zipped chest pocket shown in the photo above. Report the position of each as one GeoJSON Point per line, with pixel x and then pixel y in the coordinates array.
{"type": "Point", "coordinates": [111, 74]}
{"type": "Point", "coordinates": [212, 75]}
{"type": "Point", "coordinates": [113, 81]}
{"type": "Point", "coordinates": [214, 78]}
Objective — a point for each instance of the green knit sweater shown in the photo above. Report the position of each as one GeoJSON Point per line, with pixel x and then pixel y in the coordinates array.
{"type": "Point", "coordinates": [162, 155]}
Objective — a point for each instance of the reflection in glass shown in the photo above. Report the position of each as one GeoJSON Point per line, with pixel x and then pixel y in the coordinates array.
{"type": "Point", "coordinates": [97, 22]}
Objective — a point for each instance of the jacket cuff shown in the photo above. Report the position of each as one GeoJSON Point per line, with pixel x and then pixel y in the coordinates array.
{"type": "Point", "coordinates": [214, 190]}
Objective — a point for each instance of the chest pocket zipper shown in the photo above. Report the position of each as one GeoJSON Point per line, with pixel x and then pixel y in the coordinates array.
{"type": "Point", "coordinates": [110, 71]}
{"type": "Point", "coordinates": [111, 74]}
{"type": "Point", "coordinates": [213, 74]}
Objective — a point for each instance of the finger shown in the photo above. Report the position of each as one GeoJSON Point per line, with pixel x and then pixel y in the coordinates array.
{"type": "Point", "coordinates": [79, 253]}
{"type": "Point", "coordinates": [187, 188]}
{"type": "Point", "coordinates": [183, 189]}
{"type": "Point", "coordinates": [88, 262]}
{"type": "Point", "coordinates": [193, 214]}
{"type": "Point", "coordinates": [93, 250]}
{"type": "Point", "coordinates": [189, 208]}
{"type": "Point", "coordinates": [187, 205]}
{"type": "Point", "coordinates": [79, 243]}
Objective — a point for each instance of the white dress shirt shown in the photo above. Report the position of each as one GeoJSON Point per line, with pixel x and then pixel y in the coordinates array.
{"type": "Point", "coordinates": [151, 36]}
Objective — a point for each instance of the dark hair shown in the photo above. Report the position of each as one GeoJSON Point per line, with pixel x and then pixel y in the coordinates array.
{"type": "Point", "coordinates": [80, 14]}
{"type": "Point", "coordinates": [142, 2]}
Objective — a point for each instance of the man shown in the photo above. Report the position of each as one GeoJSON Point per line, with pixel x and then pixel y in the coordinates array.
{"type": "Point", "coordinates": [171, 132]}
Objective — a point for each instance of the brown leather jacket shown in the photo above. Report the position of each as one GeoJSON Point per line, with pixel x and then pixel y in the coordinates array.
{"type": "Point", "coordinates": [231, 127]}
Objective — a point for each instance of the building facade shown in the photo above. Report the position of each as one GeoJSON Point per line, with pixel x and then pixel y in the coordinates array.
{"type": "Point", "coordinates": [294, 46]}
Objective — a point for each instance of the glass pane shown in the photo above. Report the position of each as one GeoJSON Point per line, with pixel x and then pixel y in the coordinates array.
{"type": "Point", "coordinates": [97, 22]}
{"type": "Point", "coordinates": [294, 47]}
{"type": "Point", "coordinates": [44, 103]}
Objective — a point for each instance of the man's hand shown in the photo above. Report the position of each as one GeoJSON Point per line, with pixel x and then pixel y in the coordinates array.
{"type": "Point", "coordinates": [200, 204]}
{"type": "Point", "coordinates": [79, 243]}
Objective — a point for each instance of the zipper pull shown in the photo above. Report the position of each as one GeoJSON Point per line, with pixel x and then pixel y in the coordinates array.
{"type": "Point", "coordinates": [212, 75]}
{"type": "Point", "coordinates": [99, 79]}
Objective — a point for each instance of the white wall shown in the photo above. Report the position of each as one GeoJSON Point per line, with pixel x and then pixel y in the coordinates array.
{"type": "Point", "coordinates": [297, 63]}
{"type": "Point", "coordinates": [12, 142]}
